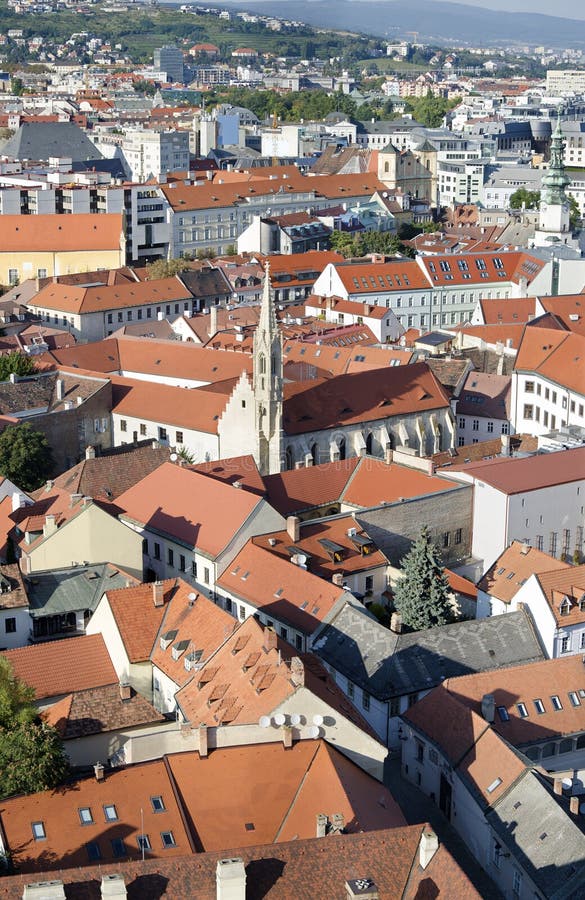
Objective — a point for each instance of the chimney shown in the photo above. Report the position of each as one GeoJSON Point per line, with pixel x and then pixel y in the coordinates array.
{"type": "Point", "coordinates": [293, 528]}
{"type": "Point", "coordinates": [230, 879]}
{"type": "Point", "coordinates": [488, 708]}
{"type": "Point", "coordinates": [297, 671]}
{"type": "Point", "coordinates": [322, 824]}
{"type": "Point", "coordinates": [505, 445]}
{"type": "Point", "coordinates": [44, 890]}
{"type": "Point", "coordinates": [558, 787]}
{"type": "Point", "coordinates": [90, 452]}
{"type": "Point", "coordinates": [270, 639]}
{"type": "Point", "coordinates": [158, 594]}
{"type": "Point", "coordinates": [337, 823]}
{"type": "Point", "coordinates": [429, 844]}
{"type": "Point", "coordinates": [396, 623]}
{"type": "Point", "coordinates": [337, 579]}
{"type": "Point", "coordinates": [212, 321]}
{"type": "Point", "coordinates": [113, 886]}
{"type": "Point", "coordinates": [388, 456]}
{"type": "Point", "coordinates": [203, 741]}
{"type": "Point", "coordinates": [362, 888]}
{"type": "Point", "coordinates": [99, 771]}
{"type": "Point", "coordinates": [50, 526]}
{"type": "Point", "coordinates": [574, 805]}
{"type": "Point", "coordinates": [287, 737]}
{"type": "Point", "coordinates": [18, 500]}
{"type": "Point", "coordinates": [125, 691]}
{"type": "Point", "coordinates": [74, 498]}
{"type": "Point", "coordinates": [60, 388]}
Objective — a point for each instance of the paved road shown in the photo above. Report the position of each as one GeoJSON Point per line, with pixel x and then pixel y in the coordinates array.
{"type": "Point", "coordinates": [417, 808]}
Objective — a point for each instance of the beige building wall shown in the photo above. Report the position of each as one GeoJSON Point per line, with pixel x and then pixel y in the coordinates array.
{"type": "Point", "coordinates": [91, 536]}
{"type": "Point", "coordinates": [139, 675]}
{"type": "Point", "coordinates": [44, 264]}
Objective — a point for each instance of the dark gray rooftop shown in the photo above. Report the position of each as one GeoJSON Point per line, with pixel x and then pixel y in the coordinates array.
{"type": "Point", "coordinates": [542, 837]}
{"type": "Point", "coordinates": [40, 140]}
{"type": "Point", "coordinates": [389, 665]}
{"type": "Point", "coordinates": [71, 590]}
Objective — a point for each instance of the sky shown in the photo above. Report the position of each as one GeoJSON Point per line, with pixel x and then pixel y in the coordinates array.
{"type": "Point", "coordinates": [569, 9]}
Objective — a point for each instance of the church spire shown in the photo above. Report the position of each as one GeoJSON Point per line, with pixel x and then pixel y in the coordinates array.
{"type": "Point", "coordinates": [556, 179]}
{"type": "Point", "coordinates": [268, 378]}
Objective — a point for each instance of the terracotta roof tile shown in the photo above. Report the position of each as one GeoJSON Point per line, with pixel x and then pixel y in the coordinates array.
{"type": "Point", "coordinates": [83, 299]}
{"type": "Point", "coordinates": [514, 567]}
{"type": "Point", "coordinates": [165, 404]}
{"type": "Point", "coordinates": [138, 619]}
{"type": "Point", "coordinates": [376, 278]}
{"type": "Point", "coordinates": [82, 232]}
{"type": "Point", "coordinates": [375, 482]}
{"type": "Point", "coordinates": [509, 311]}
{"type": "Point", "coordinates": [556, 355]}
{"type": "Point", "coordinates": [98, 710]}
{"type": "Point", "coordinates": [61, 667]}
{"type": "Point", "coordinates": [486, 395]}
{"type": "Point", "coordinates": [215, 512]}
{"type": "Point", "coordinates": [531, 473]}
{"type": "Point", "coordinates": [242, 469]}
{"type": "Point", "coordinates": [560, 585]}
{"type": "Point", "coordinates": [301, 489]}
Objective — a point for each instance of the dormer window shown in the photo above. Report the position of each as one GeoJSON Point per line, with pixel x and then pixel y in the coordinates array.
{"type": "Point", "coordinates": [334, 551]}
{"type": "Point", "coordinates": [565, 606]}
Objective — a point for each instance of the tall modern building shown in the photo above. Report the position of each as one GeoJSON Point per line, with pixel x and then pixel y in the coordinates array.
{"type": "Point", "coordinates": [170, 60]}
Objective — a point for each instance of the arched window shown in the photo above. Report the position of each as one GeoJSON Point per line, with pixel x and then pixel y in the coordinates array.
{"type": "Point", "coordinates": [262, 364]}
{"type": "Point", "coordinates": [315, 454]}
{"type": "Point", "coordinates": [273, 364]}
{"type": "Point", "coordinates": [342, 449]}
{"type": "Point", "coordinates": [369, 443]}
{"type": "Point", "coordinates": [288, 458]}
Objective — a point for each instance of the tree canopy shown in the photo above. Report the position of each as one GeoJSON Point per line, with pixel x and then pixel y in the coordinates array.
{"type": "Point", "coordinates": [31, 753]}
{"type": "Point", "coordinates": [15, 363]}
{"type": "Point", "coordinates": [25, 456]}
{"type": "Point", "coordinates": [525, 198]}
{"type": "Point", "coordinates": [421, 596]}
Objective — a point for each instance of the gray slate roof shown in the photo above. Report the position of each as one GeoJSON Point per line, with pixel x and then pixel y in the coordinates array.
{"type": "Point", "coordinates": [390, 665]}
{"type": "Point", "coordinates": [40, 140]}
{"type": "Point", "coordinates": [71, 590]}
{"type": "Point", "coordinates": [542, 837]}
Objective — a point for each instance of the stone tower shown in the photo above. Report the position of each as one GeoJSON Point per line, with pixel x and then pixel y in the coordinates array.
{"type": "Point", "coordinates": [267, 385]}
{"type": "Point", "coordinates": [554, 205]}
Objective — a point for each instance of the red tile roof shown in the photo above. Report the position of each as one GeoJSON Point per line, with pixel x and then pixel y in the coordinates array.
{"type": "Point", "coordinates": [514, 567]}
{"type": "Point", "coordinates": [63, 667]}
{"type": "Point", "coordinates": [532, 473]}
{"type": "Point", "coordinates": [556, 355]}
{"type": "Point", "coordinates": [165, 404]}
{"type": "Point", "coordinates": [560, 586]}
{"type": "Point", "coordinates": [382, 277]}
{"type": "Point", "coordinates": [98, 710]}
{"type": "Point", "coordinates": [279, 588]}
{"type": "Point", "coordinates": [511, 310]}
{"type": "Point", "coordinates": [214, 514]}
{"type": "Point", "coordinates": [375, 482]}
{"type": "Point", "coordinates": [242, 469]}
{"type": "Point", "coordinates": [312, 486]}
{"type": "Point", "coordinates": [81, 299]}
{"type": "Point", "coordinates": [57, 234]}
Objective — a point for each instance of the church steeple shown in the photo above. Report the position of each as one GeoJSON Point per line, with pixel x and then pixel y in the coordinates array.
{"type": "Point", "coordinates": [556, 179]}
{"type": "Point", "coordinates": [267, 384]}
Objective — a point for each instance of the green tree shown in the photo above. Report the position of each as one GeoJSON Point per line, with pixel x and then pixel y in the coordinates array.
{"type": "Point", "coordinates": [422, 594]}
{"type": "Point", "coordinates": [32, 759]}
{"type": "Point", "coordinates": [16, 698]}
{"type": "Point", "coordinates": [574, 212]}
{"type": "Point", "coordinates": [165, 268]}
{"type": "Point", "coordinates": [523, 197]}
{"type": "Point", "coordinates": [15, 363]}
{"type": "Point", "coordinates": [25, 456]}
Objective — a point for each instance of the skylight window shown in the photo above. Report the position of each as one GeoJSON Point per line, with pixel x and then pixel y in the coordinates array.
{"type": "Point", "coordinates": [556, 702]}
{"type": "Point", "coordinates": [521, 707]}
{"type": "Point", "coordinates": [495, 784]}
{"type": "Point", "coordinates": [157, 804]}
{"type": "Point", "coordinates": [38, 830]}
{"type": "Point", "coordinates": [110, 812]}
{"type": "Point", "coordinates": [574, 698]}
{"type": "Point", "coordinates": [503, 714]}
{"type": "Point", "coordinates": [539, 706]}
{"type": "Point", "coordinates": [85, 815]}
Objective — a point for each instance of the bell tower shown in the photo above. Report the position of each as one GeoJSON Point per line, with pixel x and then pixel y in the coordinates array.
{"type": "Point", "coordinates": [267, 384]}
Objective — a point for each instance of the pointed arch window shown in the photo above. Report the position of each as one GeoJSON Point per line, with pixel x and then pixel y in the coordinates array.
{"type": "Point", "coordinates": [262, 364]}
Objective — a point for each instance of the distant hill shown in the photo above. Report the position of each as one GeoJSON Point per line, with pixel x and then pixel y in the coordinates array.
{"type": "Point", "coordinates": [433, 20]}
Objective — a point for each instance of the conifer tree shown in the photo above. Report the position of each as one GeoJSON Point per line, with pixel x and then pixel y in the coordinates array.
{"type": "Point", "coordinates": [422, 594]}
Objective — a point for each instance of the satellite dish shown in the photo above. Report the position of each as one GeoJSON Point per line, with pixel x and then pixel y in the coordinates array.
{"type": "Point", "coordinates": [174, 457]}
{"type": "Point", "coordinates": [192, 596]}
{"type": "Point", "coordinates": [264, 721]}
{"type": "Point", "coordinates": [279, 719]}
{"type": "Point", "coordinates": [318, 720]}
{"type": "Point", "coordinates": [314, 731]}
{"type": "Point", "coordinates": [567, 783]}
{"type": "Point", "coordinates": [295, 719]}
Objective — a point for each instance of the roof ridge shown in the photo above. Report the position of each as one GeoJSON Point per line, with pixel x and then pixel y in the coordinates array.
{"type": "Point", "coordinates": [289, 811]}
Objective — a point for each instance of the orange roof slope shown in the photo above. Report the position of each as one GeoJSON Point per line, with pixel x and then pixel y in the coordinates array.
{"type": "Point", "coordinates": [511, 310]}
{"type": "Point", "coordinates": [88, 299]}
{"type": "Point", "coordinates": [562, 587]}
{"type": "Point", "coordinates": [232, 798]}
{"type": "Point", "coordinates": [361, 397]}
{"type": "Point", "coordinates": [165, 404]}
{"type": "Point", "coordinates": [242, 469]}
{"type": "Point", "coordinates": [556, 355]}
{"type": "Point", "coordinates": [568, 309]}
{"type": "Point", "coordinates": [373, 278]}
{"type": "Point", "coordinates": [514, 567]}
{"type": "Point", "coordinates": [195, 510]}
{"type": "Point", "coordinates": [57, 234]}
{"type": "Point", "coordinates": [375, 482]}
{"type": "Point", "coordinates": [137, 617]}
{"type": "Point", "coordinates": [525, 684]}
{"type": "Point", "coordinates": [63, 667]}
{"type": "Point", "coordinates": [300, 489]}
{"type": "Point", "coordinates": [128, 791]}
{"type": "Point", "coordinates": [279, 588]}
{"type": "Point", "coordinates": [531, 473]}
{"type": "Point", "coordinates": [176, 359]}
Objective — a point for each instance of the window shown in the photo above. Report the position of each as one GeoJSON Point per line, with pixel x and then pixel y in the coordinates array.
{"type": "Point", "coordinates": [458, 536]}
{"type": "Point", "coordinates": [366, 700]}
{"type": "Point", "coordinates": [446, 539]}
{"type": "Point", "coordinates": [10, 625]}
{"type": "Point", "coordinates": [283, 631]}
{"type": "Point", "coordinates": [490, 427]}
{"type": "Point", "coordinates": [505, 428]}
{"type": "Point", "coordinates": [298, 642]}
{"type": "Point", "coordinates": [13, 276]}
{"type": "Point", "coordinates": [552, 545]}
{"type": "Point", "coordinates": [170, 557]}
{"type": "Point", "coordinates": [420, 751]}
{"type": "Point", "coordinates": [517, 883]}
{"type": "Point", "coordinates": [412, 699]}
{"type": "Point", "coordinates": [162, 433]}
{"type": "Point", "coordinates": [475, 425]}
{"type": "Point", "coordinates": [38, 830]}
{"type": "Point", "coordinates": [529, 387]}
{"type": "Point", "coordinates": [93, 850]}
{"type": "Point", "coordinates": [528, 411]}
{"type": "Point", "coordinates": [110, 812]}
{"type": "Point", "coordinates": [179, 437]}
{"type": "Point", "coordinates": [350, 689]}
{"type": "Point", "coordinates": [157, 804]}
{"type": "Point", "coordinates": [521, 707]}
{"type": "Point", "coordinates": [564, 645]}
{"type": "Point", "coordinates": [182, 563]}
{"type": "Point", "coordinates": [110, 320]}
{"type": "Point", "coordinates": [503, 714]}
{"type": "Point", "coordinates": [156, 550]}
{"type": "Point", "coordinates": [143, 842]}
{"type": "Point", "coordinates": [206, 576]}
{"type": "Point", "coordinates": [123, 425]}
{"type": "Point", "coordinates": [168, 839]}
{"type": "Point", "coordinates": [85, 815]}
{"type": "Point", "coordinates": [556, 703]}
{"type": "Point", "coordinates": [118, 847]}
{"type": "Point", "coordinates": [142, 429]}
{"type": "Point", "coordinates": [539, 706]}
{"type": "Point", "coordinates": [462, 422]}
{"type": "Point", "coordinates": [574, 698]}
